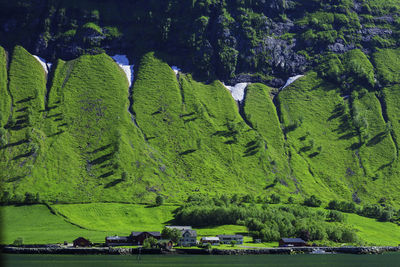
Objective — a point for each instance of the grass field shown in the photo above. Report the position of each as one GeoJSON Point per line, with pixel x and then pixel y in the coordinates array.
{"type": "Point", "coordinates": [37, 224]}
{"type": "Point", "coordinates": [373, 232]}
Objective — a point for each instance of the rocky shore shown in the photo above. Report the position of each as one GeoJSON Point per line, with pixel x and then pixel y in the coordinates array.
{"type": "Point", "coordinates": [255, 251]}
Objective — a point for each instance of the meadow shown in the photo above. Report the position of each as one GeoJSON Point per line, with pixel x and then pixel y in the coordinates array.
{"type": "Point", "coordinates": [41, 224]}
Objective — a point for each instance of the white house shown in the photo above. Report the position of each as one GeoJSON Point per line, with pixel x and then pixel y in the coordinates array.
{"type": "Point", "coordinates": [188, 238]}
{"type": "Point", "coordinates": [213, 240]}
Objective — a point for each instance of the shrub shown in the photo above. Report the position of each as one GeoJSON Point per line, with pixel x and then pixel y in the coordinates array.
{"type": "Point", "coordinates": [312, 201]}
{"type": "Point", "coordinates": [335, 216]}
{"type": "Point", "coordinates": [150, 242]}
{"type": "Point", "coordinates": [348, 236]}
{"type": "Point", "coordinates": [275, 199]}
{"type": "Point", "coordinates": [159, 200]}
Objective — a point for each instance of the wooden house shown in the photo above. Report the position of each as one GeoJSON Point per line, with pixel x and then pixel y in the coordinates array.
{"type": "Point", "coordinates": [292, 242]}
{"type": "Point", "coordinates": [137, 238]}
{"type": "Point", "coordinates": [118, 241]}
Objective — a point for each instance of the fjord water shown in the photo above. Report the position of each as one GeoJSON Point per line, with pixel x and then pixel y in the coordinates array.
{"type": "Point", "coordinates": [390, 259]}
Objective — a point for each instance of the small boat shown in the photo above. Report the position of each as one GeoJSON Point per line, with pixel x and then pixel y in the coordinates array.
{"type": "Point", "coordinates": [319, 251]}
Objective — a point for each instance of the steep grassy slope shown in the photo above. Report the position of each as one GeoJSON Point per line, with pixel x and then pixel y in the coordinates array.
{"type": "Point", "coordinates": [27, 86]}
{"type": "Point", "coordinates": [83, 144]}
{"type": "Point", "coordinates": [74, 139]}
{"type": "Point", "coordinates": [342, 141]}
{"type": "Point", "coordinates": [5, 100]}
{"type": "Point", "coordinates": [198, 128]}
{"type": "Point", "coordinates": [261, 113]}
{"type": "Point", "coordinates": [379, 150]}
{"type": "Point", "coordinates": [319, 137]}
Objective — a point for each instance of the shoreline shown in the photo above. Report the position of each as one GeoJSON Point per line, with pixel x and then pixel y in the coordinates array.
{"type": "Point", "coordinates": [214, 251]}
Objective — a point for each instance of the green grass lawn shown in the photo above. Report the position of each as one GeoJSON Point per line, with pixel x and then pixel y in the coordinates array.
{"type": "Point", "coordinates": [37, 225]}
{"type": "Point", "coordinates": [122, 218]}
{"type": "Point", "coordinates": [373, 232]}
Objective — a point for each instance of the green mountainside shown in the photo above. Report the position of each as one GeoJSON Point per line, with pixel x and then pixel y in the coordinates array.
{"type": "Point", "coordinates": [74, 136]}
{"type": "Point", "coordinates": [206, 128]}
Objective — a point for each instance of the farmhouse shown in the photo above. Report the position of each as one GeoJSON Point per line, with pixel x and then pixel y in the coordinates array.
{"type": "Point", "coordinates": [137, 238]}
{"type": "Point", "coordinates": [81, 242]}
{"type": "Point", "coordinates": [227, 239]}
{"type": "Point", "coordinates": [213, 240]}
{"type": "Point", "coordinates": [188, 238]}
{"type": "Point", "coordinates": [292, 242]}
{"type": "Point", "coordinates": [118, 241]}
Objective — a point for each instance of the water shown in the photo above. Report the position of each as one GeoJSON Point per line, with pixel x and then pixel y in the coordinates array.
{"type": "Point", "coordinates": [390, 259]}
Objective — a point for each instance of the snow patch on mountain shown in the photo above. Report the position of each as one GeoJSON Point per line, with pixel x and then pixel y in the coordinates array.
{"type": "Point", "coordinates": [237, 91]}
{"type": "Point", "coordinates": [123, 63]}
{"type": "Point", "coordinates": [291, 80]}
{"type": "Point", "coordinates": [176, 69]}
{"type": "Point", "coordinates": [46, 66]}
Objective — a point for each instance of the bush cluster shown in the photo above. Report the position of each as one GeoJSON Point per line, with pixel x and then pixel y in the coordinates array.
{"type": "Point", "coordinates": [267, 222]}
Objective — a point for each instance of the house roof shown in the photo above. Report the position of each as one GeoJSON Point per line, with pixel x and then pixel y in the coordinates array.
{"type": "Point", "coordinates": [210, 238]}
{"type": "Point", "coordinates": [230, 236]}
{"type": "Point", "coordinates": [116, 238]}
{"type": "Point", "coordinates": [134, 234]}
{"type": "Point", "coordinates": [81, 238]}
{"type": "Point", "coordinates": [293, 240]}
{"type": "Point", "coordinates": [191, 233]}
{"type": "Point", "coordinates": [180, 228]}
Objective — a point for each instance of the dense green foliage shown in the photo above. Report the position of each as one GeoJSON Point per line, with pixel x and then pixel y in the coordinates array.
{"type": "Point", "coordinates": [268, 223]}
{"type": "Point", "coordinates": [222, 38]}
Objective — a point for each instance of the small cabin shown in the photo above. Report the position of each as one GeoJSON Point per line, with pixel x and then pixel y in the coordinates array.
{"type": "Point", "coordinates": [81, 242]}
{"type": "Point", "coordinates": [292, 242]}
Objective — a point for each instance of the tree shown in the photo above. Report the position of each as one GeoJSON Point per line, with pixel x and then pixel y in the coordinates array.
{"type": "Point", "coordinates": [124, 175]}
{"type": "Point", "coordinates": [29, 198]}
{"type": "Point", "coordinates": [172, 234]}
{"type": "Point", "coordinates": [233, 243]}
{"type": "Point", "coordinates": [3, 137]}
{"type": "Point", "coordinates": [275, 199]}
{"type": "Point", "coordinates": [159, 200]}
{"type": "Point", "coordinates": [150, 242]}
{"type": "Point", "coordinates": [18, 242]}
